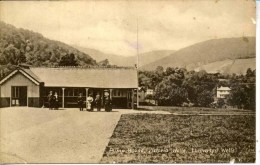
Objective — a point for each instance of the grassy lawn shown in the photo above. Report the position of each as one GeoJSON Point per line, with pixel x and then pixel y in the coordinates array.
{"type": "Point", "coordinates": [159, 138]}
{"type": "Point", "coordinates": [198, 110]}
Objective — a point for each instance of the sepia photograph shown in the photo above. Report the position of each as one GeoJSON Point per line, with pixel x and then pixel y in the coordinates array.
{"type": "Point", "coordinates": [127, 81]}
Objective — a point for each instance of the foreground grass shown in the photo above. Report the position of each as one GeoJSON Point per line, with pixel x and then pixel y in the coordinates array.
{"type": "Point", "coordinates": [157, 138]}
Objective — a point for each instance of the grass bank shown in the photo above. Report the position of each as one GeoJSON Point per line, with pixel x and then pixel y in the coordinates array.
{"type": "Point", "coordinates": [158, 138]}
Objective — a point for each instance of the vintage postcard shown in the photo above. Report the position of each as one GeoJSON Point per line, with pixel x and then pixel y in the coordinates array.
{"type": "Point", "coordinates": [127, 81]}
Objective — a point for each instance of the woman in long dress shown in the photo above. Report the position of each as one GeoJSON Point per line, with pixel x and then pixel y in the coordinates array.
{"type": "Point", "coordinates": [89, 103]}
{"type": "Point", "coordinates": [56, 101]}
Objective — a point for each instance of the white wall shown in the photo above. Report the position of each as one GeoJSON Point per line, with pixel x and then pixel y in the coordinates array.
{"type": "Point", "coordinates": [222, 93]}
{"type": "Point", "coordinates": [18, 79]}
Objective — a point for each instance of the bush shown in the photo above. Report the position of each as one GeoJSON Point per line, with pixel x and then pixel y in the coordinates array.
{"type": "Point", "coordinates": [220, 103]}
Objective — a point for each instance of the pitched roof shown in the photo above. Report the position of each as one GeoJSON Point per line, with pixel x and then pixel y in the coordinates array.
{"type": "Point", "coordinates": [86, 77]}
{"type": "Point", "coordinates": [29, 72]}
{"type": "Point", "coordinates": [223, 88]}
{"type": "Point", "coordinates": [24, 72]}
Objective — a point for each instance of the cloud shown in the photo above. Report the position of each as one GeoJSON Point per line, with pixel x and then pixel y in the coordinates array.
{"type": "Point", "coordinates": [111, 26]}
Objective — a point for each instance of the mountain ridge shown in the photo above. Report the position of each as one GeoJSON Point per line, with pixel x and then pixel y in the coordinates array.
{"type": "Point", "coordinates": [114, 59]}
{"type": "Point", "coordinates": [202, 53]}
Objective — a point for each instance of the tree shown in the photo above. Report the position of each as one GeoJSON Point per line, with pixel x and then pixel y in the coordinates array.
{"type": "Point", "coordinates": [220, 103]}
{"type": "Point", "coordinates": [12, 54]}
{"type": "Point", "coordinates": [237, 96]}
{"type": "Point", "coordinates": [53, 58]}
{"type": "Point", "coordinates": [24, 46]}
{"type": "Point", "coordinates": [242, 92]}
{"type": "Point", "coordinates": [68, 60]}
{"type": "Point", "coordinates": [144, 81]}
{"type": "Point", "coordinates": [104, 63]}
{"type": "Point", "coordinates": [159, 70]}
{"type": "Point", "coordinates": [169, 71]}
{"type": "Point", "coordinates": [168, 93]}
{"type": "Point", "coordinates": [205, 98]}
{"type": "Point", "coordinates": [178, 96]}
{"type": "Point", "coordinates": [249, 73]}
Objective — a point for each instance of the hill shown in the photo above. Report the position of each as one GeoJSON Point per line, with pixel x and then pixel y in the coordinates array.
{"type": "Point", "coordinates": [112, 58]}
{"type": "Point", "coordinates": [238, 66]}
{"type": "Point", "coordinates": [24, 46]}
{"type": "Point", "coordinates": [148, 57]}
{"type": "Point", "coordinates": [202, 54]}
{"type": "Point", "coordinates": [144, 58]}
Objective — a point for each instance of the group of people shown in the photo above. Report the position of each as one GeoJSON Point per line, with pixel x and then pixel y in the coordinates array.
{"type": "Point", "coordinates": [53, 100]}
{"type": "Point", "coordinates": [90, 103]}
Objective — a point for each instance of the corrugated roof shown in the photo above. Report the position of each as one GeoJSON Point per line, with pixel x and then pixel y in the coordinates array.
{"type": "Point", "coordinates": [87, 77]}
{"type": "Point", "coordinates": [28, 71]}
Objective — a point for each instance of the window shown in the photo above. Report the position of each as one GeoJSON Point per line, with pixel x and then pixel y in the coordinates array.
{"type": "Point", "coordinates": [58, 90]}
{"type": "Point", "coordinates": [114, 92]}
{"type": "Point", "coordinates": [223, 95]}
{"type": "Point", "coordinates": [73, 92]}
{"type": "Point", "coordinates": [119, 93]}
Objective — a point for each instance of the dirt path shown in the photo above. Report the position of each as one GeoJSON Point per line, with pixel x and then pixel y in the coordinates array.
{"type": "Point", "coordinates": [36, 135]}
{"type": "Point", "coordinates": [43, 136]}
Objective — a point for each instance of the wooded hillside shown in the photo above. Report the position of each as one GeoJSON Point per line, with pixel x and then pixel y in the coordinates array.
{"type": "Point", "coordinates": [24, 46]}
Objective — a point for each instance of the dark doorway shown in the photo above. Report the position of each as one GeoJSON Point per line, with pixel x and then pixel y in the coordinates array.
{"type": "Point", "coordinates": [19, 95]}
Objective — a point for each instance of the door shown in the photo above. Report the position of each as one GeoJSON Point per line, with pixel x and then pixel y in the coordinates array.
{"type": "Point", "coordinates": [19, 95]}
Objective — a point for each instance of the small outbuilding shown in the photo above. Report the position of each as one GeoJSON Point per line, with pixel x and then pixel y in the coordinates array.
{"type": "Point", "coordinates": [29, 86]}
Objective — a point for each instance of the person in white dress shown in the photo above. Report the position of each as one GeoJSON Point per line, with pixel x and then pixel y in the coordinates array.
{"type": "Point", "coordinates": [89, 103]}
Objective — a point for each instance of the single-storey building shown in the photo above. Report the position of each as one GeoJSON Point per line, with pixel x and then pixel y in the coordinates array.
{"type": "Point", "coordinates": [29, 86]}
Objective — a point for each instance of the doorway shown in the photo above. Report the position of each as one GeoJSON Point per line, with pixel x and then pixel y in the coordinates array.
{"type": "Point", "coordinates": [19, 96]}
{"type": "Point", "coordinates": [129, 99]}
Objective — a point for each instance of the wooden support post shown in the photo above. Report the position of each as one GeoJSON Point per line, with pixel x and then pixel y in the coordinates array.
{"type": "Point", "coordinates": [102, 97]}
{"type": "Point", "coordinates": [137, 98]}
{"type": "Point", "coordinates": [63, 98]}
{"type": "Point", "coordinates": [133, 98]}
{"type": "Point", "coordinates": [27, 97]}
{"type": "Point", "coordinates": [86, 97]}
{"type": "Point", "coordinates": [110, 94]}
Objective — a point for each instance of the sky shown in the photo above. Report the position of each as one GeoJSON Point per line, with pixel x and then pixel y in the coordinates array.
{"type": "Point", "coordinates": [111, 26]}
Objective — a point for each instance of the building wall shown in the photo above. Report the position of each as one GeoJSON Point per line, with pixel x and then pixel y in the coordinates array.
{"type": "Point", "coordinates": [141, 96]}
{"type": "Point", "coordinates": [119, 98]}
{"type": "Point", "coordinates": [149, 92]}
{"type": "Point", "coordinates": [33, 90]}
{"type": "Point", "coordinates": [222, 93]}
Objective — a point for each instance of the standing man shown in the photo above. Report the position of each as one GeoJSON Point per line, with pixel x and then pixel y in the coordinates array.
{"type": "Point", "coordinates": [50, 100]}
{"type": "Point", "coordinates": [80, 102]}
{"type": "Point", "coordinates": [98, 102]}
{"type": "Point", "coordinates": [108, 104]}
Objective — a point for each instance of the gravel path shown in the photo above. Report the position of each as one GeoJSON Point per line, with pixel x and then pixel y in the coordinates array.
{"type": "Point", "coordinates": [65, 136]}
{"type": "Point", "coordinates": [36, 135]}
